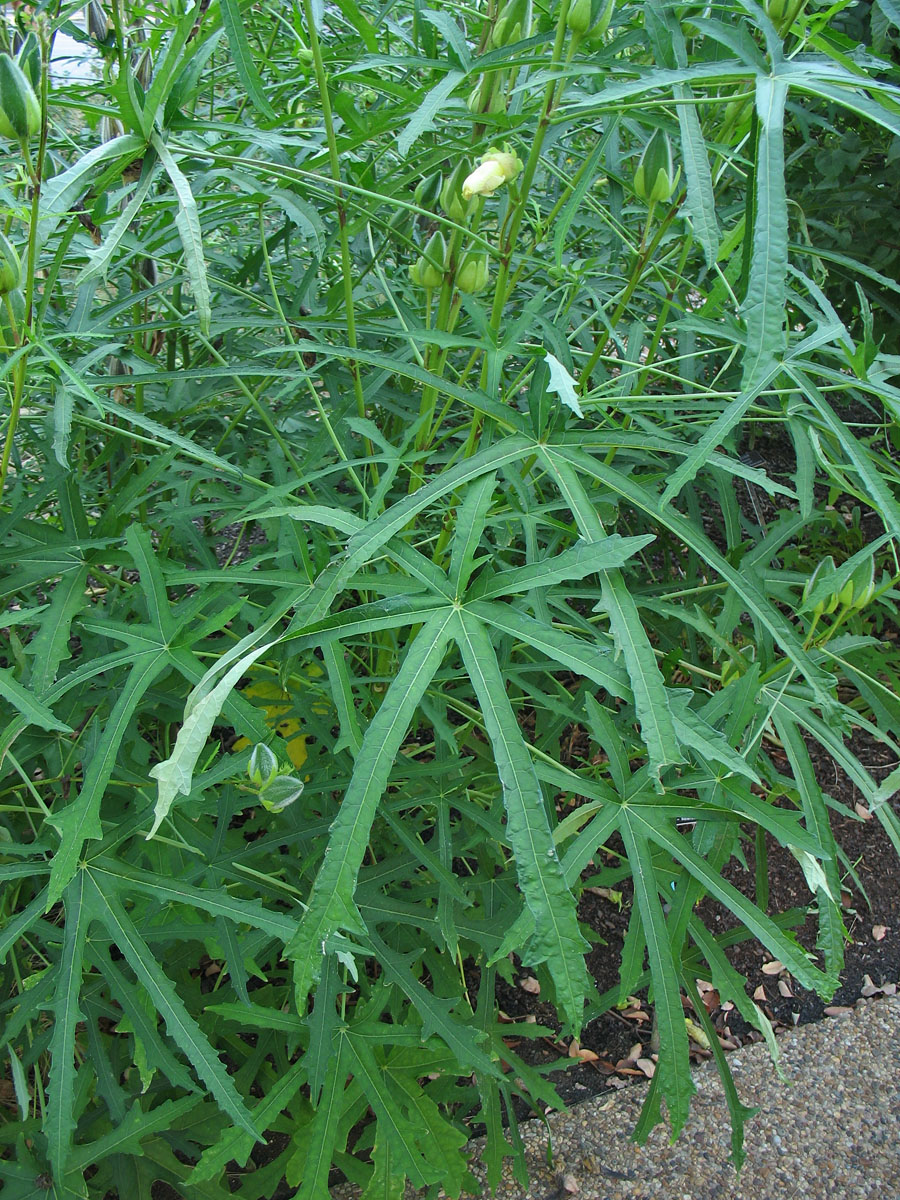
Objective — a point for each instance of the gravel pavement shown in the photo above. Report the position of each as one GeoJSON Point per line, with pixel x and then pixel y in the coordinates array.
{"type": "Point", "coordinates": [829, 1131]}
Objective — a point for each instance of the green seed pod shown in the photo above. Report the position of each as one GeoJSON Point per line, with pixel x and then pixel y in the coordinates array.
{"type": "Point", "coordinates": [428, 190]}
{"type": "Point", "coordinates": [306, 57]}
{"type": "Point", "coordinates": [656, 178]}
{"type": "Point", "coordinates": [425, 274]}
{"type": "Point", "coordinates": [143, 70]}
{"type": "Point", "coordinates": [97, 21]}
{"type": "Point", "coordinates": [474, 273]}
{"type": "Point", "coordinates": [845, 595]}
{"type": "Point", "coordinates": [10, 266]}
{"type": "Point", "coordinates": [20, 113]}
{"type": "Point", "coordinates": [28, 56]}
{"type": "Point", "coordinates": [578, 19]}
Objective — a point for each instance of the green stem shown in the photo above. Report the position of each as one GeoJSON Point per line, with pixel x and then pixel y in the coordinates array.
{"type": "Point", "coordinates": [335, 166]}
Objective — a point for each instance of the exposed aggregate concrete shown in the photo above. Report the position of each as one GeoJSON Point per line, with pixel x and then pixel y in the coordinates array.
{"type": "Point", "coordinates": [830, 1130]}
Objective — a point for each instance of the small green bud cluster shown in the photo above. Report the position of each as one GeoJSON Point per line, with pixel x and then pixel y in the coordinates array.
{"type": "Point", "coordinates": [276, 790]}
{"type": "Point", "coordinates": [20, 112]}
{"type": "Point", "coordinates": [826, 589]}
{"type": "Point", "coordinates": [656, 179]}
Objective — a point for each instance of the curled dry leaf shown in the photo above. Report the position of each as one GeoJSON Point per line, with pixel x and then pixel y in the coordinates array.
{"type": "Point", "coordinates": [581, 1052]}
{"type": "Point", "coordinates": [647, 1065]}
{"type": "Point", "coordinates": [784, 988]}
{"type": "Point", "coordinates": [878, 932]}
{"type": "Point", "coordinates": [773, 968]}
{"type": "Point", "coordinates": [836, 1010]}
{"type": "Point", "coordinates": [760, 994]}
{"type": "Point", "coordinates": [530, 984]}
{"type": "Point", "coordinates": [862, 811]}
{"type": "Point", "coordinates": [570, 1184]}
{"type": "Point", "coordinates": [696, 1034]}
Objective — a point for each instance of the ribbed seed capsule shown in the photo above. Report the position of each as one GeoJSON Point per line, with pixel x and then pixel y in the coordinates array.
{"type": "Point", "coordinates": [20, 113]}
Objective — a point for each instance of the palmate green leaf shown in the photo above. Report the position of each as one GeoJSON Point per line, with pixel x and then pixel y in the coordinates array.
{"type": "Point", "coordinates": [239, 45]}
{"type": "Point", "coordinates": [133, 1002]}
{"type": "Point", "coordinates": [364, 545]}
{"type": "Point", "coordinates": [556, 939]}
{"type": "Point", "coordinates": [752, 596]}
{"type": "Point", "coordinates": [763, 308]}
{"type": "Point", "coordinates": [138, 1125]}
{"type": "Point", "coordinates": [592, 660]}
{"type": "Point", "coordinates": [59, 194]}
{"type": "Point", "coordinates": [673, 1068]}
{"type": "Point", "coordinates": [187, 219]}
{"type": "Point", "coordinates": [872, 480]}
{"type": "Point", "coordinates": [131, 417]}
{"type": "Point", "coordinates": [24, 702]}
{"type": "Point", "coordinates": [423, 119]}
{"type": "Point", "coordinates": [659, 830]}
{"type": "Point", "coordinates": [99, 261]}
{"type": "Point", "coordinates": [650, 696]}
{"type": "Point", "coordinates": [60, 1122]}
{"type": "Point", "coordinates": [322, 1135]}
{"type": "Point", "coordinates": [331, 903]}
{"type": "Point", "coordinates": [394, 1127]}
{"type": "Point", "coordinates": [236, 1144]}
{"type": "Point", "coordinates": [462, 1038]}
{"type": "Point", "coordinates": [470, 523]}
{"type": "Point", "coordinates": [80, 821]}
{"type": "Point", "coordinates": [123, 877]}
{"type": "Point", "coordinates": [181, 1026]}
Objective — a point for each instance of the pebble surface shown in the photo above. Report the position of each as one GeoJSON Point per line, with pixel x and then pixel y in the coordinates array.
{"type": "Point", "coordinates": [830, 1130]}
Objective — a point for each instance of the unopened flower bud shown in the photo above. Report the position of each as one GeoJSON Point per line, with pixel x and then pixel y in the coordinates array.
{"type": "Point", "coordinates": [10, 266]}
{"type": "Point", "coordinates": [20, 113]}
{"type": "Point", "coordinates": [435, 252]}
{"type": "Point", "coordinates": [597, 32]}
{"type": "Point", "coordinates": [497, 167]}
{"type": "Point", "coordinates": [509, 24]}
{"type": "Point", "coordinates": [452, 202]}
{"type": "Point", "coordinates": [496, 103]}
{"type": "Point", "coordinates": [578, 19]}
{"type": "Point", "coordinates": [655, 179]}
{"type": "Point", "coordinates": [474, 273]}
